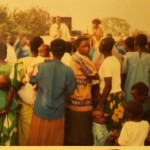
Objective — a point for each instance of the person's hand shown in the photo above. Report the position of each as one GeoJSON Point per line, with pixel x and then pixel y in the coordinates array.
{"type": "Point", "coordinates": [3, 112]}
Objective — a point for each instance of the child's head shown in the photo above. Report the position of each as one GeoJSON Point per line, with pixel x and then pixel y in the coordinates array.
{"type": "Point", "coordinates": [139, 91]}
{"type": "Point", "coordinates": [5, 82]}
{"type": "Point", "coordinates": [83, 45]}
{"type": "Point", "coordinates": [58, 48]}
{"type": "Point", "coordinates": [133, 110]}
{"type": "Point", "coordinates": [43, 50]}
{"type": "Point", "coordinates": [98, 116]}
{"type": "Point", "coordinates": [3, 51]}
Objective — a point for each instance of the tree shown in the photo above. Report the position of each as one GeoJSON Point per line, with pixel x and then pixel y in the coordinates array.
{"type": "Point", "coordinates": [115, 26]}
{"type": "Point", "coordinates": [33, 22]}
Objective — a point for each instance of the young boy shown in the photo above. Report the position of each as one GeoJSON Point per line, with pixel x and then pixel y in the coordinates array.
{"type": "Point", "coordinates": [134, 131]}
{"type": "Point", "coordinates": [139, 92]}
{"type": "Point", "coordinates": [100, 132]}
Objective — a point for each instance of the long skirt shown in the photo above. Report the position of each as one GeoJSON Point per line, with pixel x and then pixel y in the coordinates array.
{"type": "Point", "coordinates": [24, 122]}
{"type": "Point", "coordinates": [78, 128]}
{"type": "Point", "coordinates": [114, 111]}
{"type": "Point", "coordinates": [46, 132]}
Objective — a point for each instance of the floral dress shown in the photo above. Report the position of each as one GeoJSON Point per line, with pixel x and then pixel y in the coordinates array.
{"type": "Point", "coordinates": [114, 111]}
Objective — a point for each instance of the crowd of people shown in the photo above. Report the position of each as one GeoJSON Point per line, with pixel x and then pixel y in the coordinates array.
{"type": "Point", "coordinates": [87, 91]}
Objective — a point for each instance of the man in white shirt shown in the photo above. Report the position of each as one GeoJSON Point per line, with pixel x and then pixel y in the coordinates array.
{"type": "Point", "coordinates": [59, 30]}
{"type": "Point", "coordinates": [11, 55]}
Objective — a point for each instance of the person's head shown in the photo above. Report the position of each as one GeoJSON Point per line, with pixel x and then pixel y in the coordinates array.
{"type": "Point", "coordinates": [10, 39]}
{"type": "Point", "coordinates": [133, 110]}
{"type": "Point", "coordinates": [83, 45]}
{"type": "Point", "coordinates": [44, 50]}
{"type": "Point", "coordinates": [5, 82]}
{"type": "Point", "coordinates": [58, 48]}
{"type": "Point", "coordinates": [139, 91]}
{"type": "Point", "coordinates": [35, 43]}
{"type": "Point", "coordinates": [109, 35]}
{"type": "Point", "coordinates": [98, 116]}
{"type": "Point", "coordinates": [96, 22]}
{"type": "Point", "coordinates": [129, 44]}
{"type": "Point", "coordinates": [3, 51]}
{"type": "Point", "coordinates": [140, 40]}
{"type": "Point", "coordinates": [106, 45]}
{"type": "Point", "coordinates": [58, 20]}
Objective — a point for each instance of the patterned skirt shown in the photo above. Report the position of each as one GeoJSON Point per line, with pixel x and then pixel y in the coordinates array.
{"type": "Point", "coordinates": [114, 111]}
{"type": "Point", "coordinates": [46, 132]}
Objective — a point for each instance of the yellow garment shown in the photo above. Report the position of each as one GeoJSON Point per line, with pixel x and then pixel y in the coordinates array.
{"type": "Point", "coordinates": [26, 111]}
{"type": "Point", "coordinates": [24, 122]}
{"type": "Point", "coordinates": [83, 70]}
{"type": "Point", "coordinates": [26, 62]}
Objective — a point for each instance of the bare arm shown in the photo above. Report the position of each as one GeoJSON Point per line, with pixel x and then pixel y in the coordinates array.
{"type": "Point", "coordinates": [8, 101]}
{"type": "Point", "coordinates": [106, 91]}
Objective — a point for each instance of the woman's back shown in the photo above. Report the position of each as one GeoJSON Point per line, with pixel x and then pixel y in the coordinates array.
{"type": "Point", "coordinates": [137, 69]}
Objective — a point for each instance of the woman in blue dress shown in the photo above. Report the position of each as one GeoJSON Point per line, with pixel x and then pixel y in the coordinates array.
{"type": "Point", "coordinates": [137, 65]}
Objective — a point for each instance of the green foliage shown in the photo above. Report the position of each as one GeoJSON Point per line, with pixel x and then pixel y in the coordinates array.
{"type": "Point", "coordinates": [33, 22]}
{"type": "Point", "coordinates": [115, 26]}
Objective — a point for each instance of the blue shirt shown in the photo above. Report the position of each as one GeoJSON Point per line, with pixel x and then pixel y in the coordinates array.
{"type": "Point", "coordinates": [54, 79]}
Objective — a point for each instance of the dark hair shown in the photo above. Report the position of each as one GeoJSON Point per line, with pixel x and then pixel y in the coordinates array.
{"type": "Point", "coordinates": [69, 47]}
{"type": "Point", "coordinates": [109, 35]}
{"type": "Point", "coordinates": [130, 42]}
{"type": "Point", "coordinates": [107, 44]}
{"type": "Point", "coordinates": [141, 40]}
{"type": "Point", "coordinates": [134, 108]}
{"type": "Point", "coordinates": [58, 47]}
{"type": "Point", "coordinates": [80, 39]}
{"type": "Point", "coordinates": [141, 88]}
{"type": "Point", "coordinates": [35, 43]}
{"type": "Point", "coordinates": [3, 51]}
{"type": "Point", "coordinates": [96, 21]}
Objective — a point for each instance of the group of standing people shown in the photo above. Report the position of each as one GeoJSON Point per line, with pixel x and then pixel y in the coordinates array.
{"type": "Point", "coordinates": [48, 100]}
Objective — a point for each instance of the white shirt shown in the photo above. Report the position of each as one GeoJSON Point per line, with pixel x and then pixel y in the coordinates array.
{"type": "Point", "coordinates": [110, 67]}
{"type": "Point", "coordinates": [66, 59]}
{"type": "Point", "coordinates": [11, 55]}
{"type": "Point", "coordinates": [133, 133]}
{"type": "Point", "coordinates": [54, 33]}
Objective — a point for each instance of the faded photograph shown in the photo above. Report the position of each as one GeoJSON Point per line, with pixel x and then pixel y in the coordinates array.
{"type": "Point", "coordinates": [75, 73]}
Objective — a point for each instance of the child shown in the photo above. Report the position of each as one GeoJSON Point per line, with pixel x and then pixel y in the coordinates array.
{"type": "Point", "coordinates": [139, 92]}
{"type": "Point", "coordinates": [100, 132]}
{"type": "Point", "coordinates": [134, 131]}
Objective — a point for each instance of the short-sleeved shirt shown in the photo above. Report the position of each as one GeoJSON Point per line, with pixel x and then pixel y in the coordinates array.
{"type": "Point", "coordinates": [134, 133]}
{"type": "Point", "coordinates": [54, 79]}
{"type": "Point", "coordinates": [83, 68]}
{"type": "Point", "coordinates": [110, 67]}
